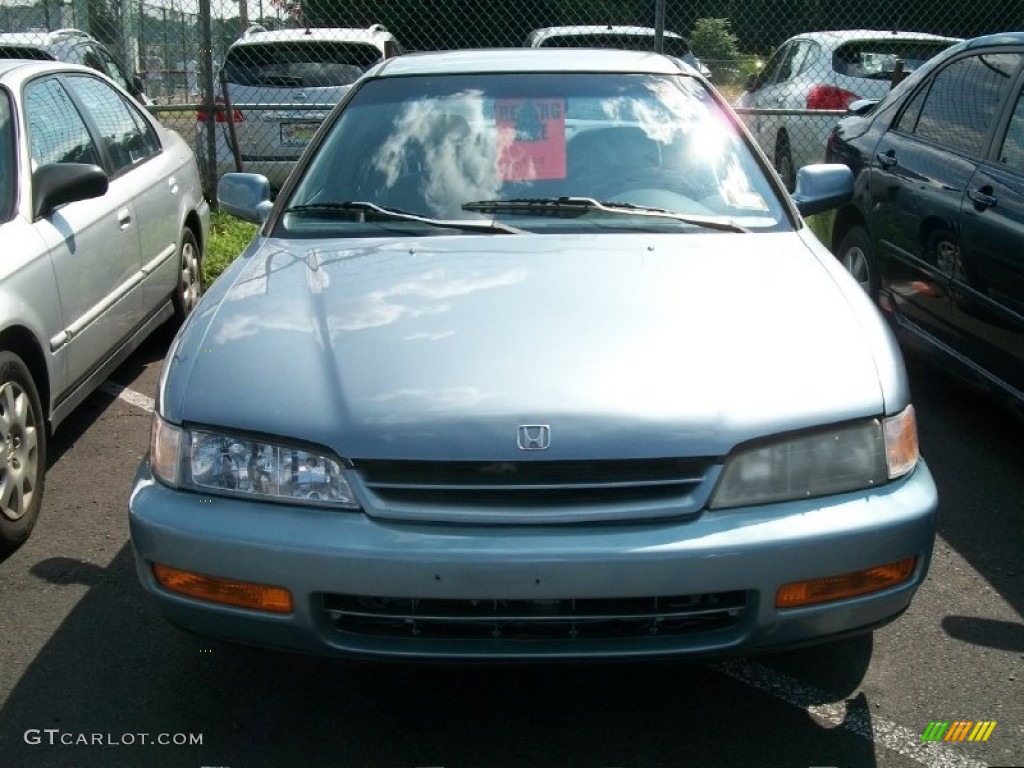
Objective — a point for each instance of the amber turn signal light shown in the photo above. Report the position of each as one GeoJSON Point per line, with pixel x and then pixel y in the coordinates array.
{"type": "Point", "coordinates": [242, 594]}
{"type": "Point", "coordinates": [800, 593]}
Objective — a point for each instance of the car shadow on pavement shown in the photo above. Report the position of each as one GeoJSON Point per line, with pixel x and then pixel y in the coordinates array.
{"type": "Point", "coordinates": [1002, 635]}
{"type": "Point", "coordinates": [114, 670]}
{"type": "Point", "coordinates": [979, 515]}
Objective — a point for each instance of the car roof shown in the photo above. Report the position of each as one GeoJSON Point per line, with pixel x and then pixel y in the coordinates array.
{"type": "Point", "coordinates": [999, 38]}
{"type": "Point", "coordinates": [43, 38]}
{"type": "Point", "coordinates": [375, 34]}
{"type": "Point", "coordinates": [6, 65]}
{"type": "Point", "coordinates": [15, 71]}
{"type": "Point", "coordinates": [537, 36]}
{"type": "Point", "coordinates": [510, 60]}
{"type": "Point", "coordinates": [843, 35]}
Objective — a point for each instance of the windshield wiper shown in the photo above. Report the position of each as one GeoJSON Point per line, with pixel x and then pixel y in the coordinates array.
{"type": "Point", "coordinates": [366, 210]}
{"type": "Point", "coordinates": [577, 206]}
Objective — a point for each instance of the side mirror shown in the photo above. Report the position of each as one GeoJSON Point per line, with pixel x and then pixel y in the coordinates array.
{"type": "Point", "coordinates": [751, 83]}
{"type": "Point", "coordinates": [245, 195]}
{"type": "Point", "coordinates": [59, 183]}
{"type": "Point", "coordinates": [821, 187]}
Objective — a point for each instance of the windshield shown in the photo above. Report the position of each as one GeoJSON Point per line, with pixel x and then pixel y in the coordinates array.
{"type": "Point", "coordinates": [8, 162]}
{"type": "Point", "coordinates": [435, 145]}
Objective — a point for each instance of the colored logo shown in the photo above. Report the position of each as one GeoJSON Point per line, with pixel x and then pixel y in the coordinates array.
{"type": "Point", "coordinates": [958, 730]}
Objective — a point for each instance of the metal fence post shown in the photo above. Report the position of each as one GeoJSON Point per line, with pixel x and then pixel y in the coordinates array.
{"type": "Point", "coordinates": [229, 117]}
{"type": "Point", "coordinates": [659, 26]}
{"type": "Point", "coordinates": [209, 168]}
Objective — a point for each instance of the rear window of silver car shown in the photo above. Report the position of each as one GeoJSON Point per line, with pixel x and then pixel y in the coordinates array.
{"type": "Point", "coordinates": [673, 46]}
{"type": "Point", "coordinates": [317, 63]}
{"type": "Point", "coordinates": [876, 59]}
{"type": "Point", "coordinates": [24, 52]}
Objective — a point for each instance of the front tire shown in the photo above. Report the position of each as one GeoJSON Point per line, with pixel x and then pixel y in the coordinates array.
{"type": "Point", "coordinates": [190, 277]}
{"type": "Point", "coordinates": [22, 452]}
{"type": "Point", "coordinates": [856, 252]}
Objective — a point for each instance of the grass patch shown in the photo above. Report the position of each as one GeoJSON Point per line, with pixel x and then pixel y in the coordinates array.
{"type": "Point", "coordinates": [228, 237]}
{"type": "Point", "coordinates": [821, 225]}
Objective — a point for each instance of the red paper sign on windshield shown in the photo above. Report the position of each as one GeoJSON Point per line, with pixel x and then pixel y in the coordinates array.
{"type": "Point", "coordinates": [531, 139]}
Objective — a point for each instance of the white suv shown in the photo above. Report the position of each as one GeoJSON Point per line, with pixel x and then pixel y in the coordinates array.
{"type": "Point", "coordinates": [282, 84]}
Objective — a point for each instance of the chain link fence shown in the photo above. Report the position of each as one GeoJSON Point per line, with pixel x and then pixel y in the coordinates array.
{"type": "Point", "coordinates": [251, 100]}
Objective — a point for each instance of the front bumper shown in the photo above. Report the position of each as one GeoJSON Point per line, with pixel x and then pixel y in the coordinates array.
{"type": "Point", "coordinates": [734, 559]}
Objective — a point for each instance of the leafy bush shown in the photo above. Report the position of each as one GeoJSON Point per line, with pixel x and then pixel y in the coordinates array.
{"type": "Point", "coordinates": [712, 39]}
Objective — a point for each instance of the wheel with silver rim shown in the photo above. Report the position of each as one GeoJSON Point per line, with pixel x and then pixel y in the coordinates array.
{"type": "Point", "coordinates": [943, 251]}
{"type": "Point", "coordinates": [947, 258]}
{"type": "Point", "coordinates": [856, 253]}
{"type": "Point", "coordinates": [190, 278]}
{"type": "Point", "coordinates": [22, 452]}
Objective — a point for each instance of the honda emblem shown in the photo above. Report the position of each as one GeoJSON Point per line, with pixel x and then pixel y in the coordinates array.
{"type": "Point", "coordinates": [533, 437]}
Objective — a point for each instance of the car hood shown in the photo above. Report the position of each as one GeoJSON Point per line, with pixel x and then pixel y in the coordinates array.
{"type": "Point", "coordinates": [441, 347]}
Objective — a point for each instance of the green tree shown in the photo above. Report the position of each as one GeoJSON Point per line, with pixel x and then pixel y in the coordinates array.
{"type": "Point", "coordinates": [713, 40]}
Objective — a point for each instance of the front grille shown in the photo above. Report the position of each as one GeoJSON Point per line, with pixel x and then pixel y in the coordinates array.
{"type": "Point", "coordinates": [547, 484]}
{"type": "Point", "coordinates": [568, 619]}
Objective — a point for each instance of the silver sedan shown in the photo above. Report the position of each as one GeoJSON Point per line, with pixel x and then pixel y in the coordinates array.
{"type": "Point", "coordinates": [102, 225]}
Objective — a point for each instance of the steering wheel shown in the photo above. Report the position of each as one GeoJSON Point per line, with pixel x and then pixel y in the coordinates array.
{"type": "Point", "coordinates": [655, 197]}
{"type": "Point", "coordinates": [652, 180]}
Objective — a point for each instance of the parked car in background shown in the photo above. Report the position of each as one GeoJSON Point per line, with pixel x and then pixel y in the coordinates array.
{"type": "Point", "coordinates": [624, 37]}
{"type": "Point", "coordinates": [825, 71]}
{"type": "Point", "coordinates": [72, 46]}
{"type": "Point", "coordinates": [103, 224]}
{"type": "Point", "coordinates": [935, 232]}
{"type": "Point", "coordinates": [282, 84]}
{"type": "Point", "coordinates": [533, 357]}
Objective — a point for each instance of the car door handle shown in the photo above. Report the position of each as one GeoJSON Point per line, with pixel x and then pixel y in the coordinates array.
{"type": "Point", "coordinates": [124, 218]}
{"type": "Point", "coordinates": [172, 184]}
{"type": "Point", "coordinates": [983, 197]}
{"type": "Point", "coordinates": [886, 159]}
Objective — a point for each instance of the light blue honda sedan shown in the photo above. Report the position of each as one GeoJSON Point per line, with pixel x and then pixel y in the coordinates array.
{"type": "Point", "coordinates": [533, 358]}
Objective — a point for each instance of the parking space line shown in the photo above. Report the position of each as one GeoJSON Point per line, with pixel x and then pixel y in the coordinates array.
{"type": "Point", "coordinates": [878, 730]}
{"type": "Point", "coordinates": [130, 396]}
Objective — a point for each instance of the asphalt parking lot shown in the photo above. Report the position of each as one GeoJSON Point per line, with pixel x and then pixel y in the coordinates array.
{"type": "Point", "coordinates": [91, 675]}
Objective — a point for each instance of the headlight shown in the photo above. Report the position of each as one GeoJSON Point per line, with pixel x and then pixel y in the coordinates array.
{"type": "Point", "coordinates": [844, 458]}
{"type": "Point", "coordinates": [214, 462]}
